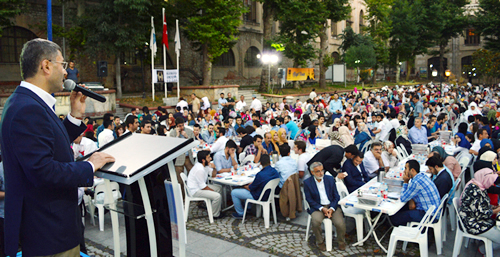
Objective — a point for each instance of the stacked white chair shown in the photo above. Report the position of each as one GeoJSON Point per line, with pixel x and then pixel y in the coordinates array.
{"type": "Point", "coordinates": [98, 202]}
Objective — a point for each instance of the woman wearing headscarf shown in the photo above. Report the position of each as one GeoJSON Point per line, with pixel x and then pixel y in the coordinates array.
{"type": "Point", "coordinates": [345, 135]}
{"type": "Point", "coordinates": [449, 161]}
{"type": "Point", "coordinates": [363, 135]}
{"type": "Point", "coordinates": [402, 138]}
{"type": "Point", "coordinates": [390, 154]}
{"type": "Point", "coordinates": [459, 138]}
{"type": "Point", "coordinates": [473, 110]}
{"type": "Point", "coordinates": [275, 140]}
{"type": "Point", "coordinates": [336, 140]}
{"type": "Point", "coordinates": [282, 137]}
{"type": "Point", "coordinates": [475, 210]}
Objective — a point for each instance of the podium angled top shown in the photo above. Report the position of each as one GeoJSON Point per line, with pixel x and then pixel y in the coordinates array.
{"type": "Point", "coordinates": [136, 155]}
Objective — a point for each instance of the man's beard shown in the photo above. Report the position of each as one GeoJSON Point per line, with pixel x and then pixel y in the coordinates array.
{"type": "Point", "coordinates": [318, 177]}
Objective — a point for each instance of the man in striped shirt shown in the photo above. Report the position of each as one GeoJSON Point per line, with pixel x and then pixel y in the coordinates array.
{"type": "Point", "coordinates": [420, 193]}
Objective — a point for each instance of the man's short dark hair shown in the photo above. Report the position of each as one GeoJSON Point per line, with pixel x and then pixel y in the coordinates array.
{"type": "Point", "coordinates": [301, 145]}
{"type": "Point", "coordinates": [231, 144]}
{"type": "Point", "coordinates": [296, 112]}
{"type": "Point", "coordinates": [352, 149]}
{"type": "Point", "coordinates": [145, 109]}
{"type": "Point", "coordinates": [284, 150]}
{"type": "Point", "coordinates": [179, 120]}
{"type": "Point", "coordinates": [249, 129]}
{"type": "Point", "coordinates": [107, 116]}
{"type": "Point", "coordinates": [257, 137]}
{"type": "Point", "coordinates": [196, 126]}
{"type": "Point", "coordinates": [265, 160]}
{"type": "Point", "coordinates": [241, 130]}
{"type": "Point", "coordinates": [132, 109]}
{"type": "Point", "coordinates": [202, 155]}
{"type": "Point", "coordinates": [144, 122]}
{"type": "Point", "coordinates": [257, 123]}
{"type": "Point", "coordinates": [359, 154]}
{"type": "Point", "coordinates": [485, 120]}
{"type": "Point", "coordinates": [414, 165]}
{"type": "Point", "coordinates": [376, 144]}
{"type": "Point", "coordinates": [255, 115]}
{"type": "Point", "coordinates": [226, 122]}
{"type": "Point", "coordinates": [281, 120]}
{"type": "Point", "coordinates": [272, 122]}
{"type": "Point", "coordinates": [107, 123]}
{"type": "Point", "coordinates": [222, 130]}
{"type": "Point", "coordinates": [33, 53]}
{"type": "Point", "coordinates": [218, 123]}
{"type": "Point", "coordinates": [471, 119]}
{"type": "Point", "coordinates": [434, 161]}
{"type": "Point", "coordinates": [130, 120]}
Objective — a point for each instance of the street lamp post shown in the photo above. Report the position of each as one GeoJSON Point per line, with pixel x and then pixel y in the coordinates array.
{"type": "Point", "coordinates": [269, 59]}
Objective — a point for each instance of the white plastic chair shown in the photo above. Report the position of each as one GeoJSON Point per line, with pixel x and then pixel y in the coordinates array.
{"type": "Point", "coordinates": [266, 205]}
{"type": "Point", "coordinates": [98, 202]}
{"type": "Point", "coordinates": [399, 153]}
{"type": "Point", "coordinates": [449, 208]}
{"type": "Point", "coordinates": [412, 234]}
{"type": "Point", "coordinates": [327, 223]}
{"type": "Point", "coordinates": [357, 214]}
{"type": "Point", "coordinates": [189, 198]}
{"type": "Point", "coordinates": [437, 227]}
{"type": "Point", "coordinates": [405, 153]}
{"type": "Point", "coordinates": [461, 234]}
{"type": "Point", "coordinates": [247, 159]}
{"type": "Point", "coordinates": [464, 163]}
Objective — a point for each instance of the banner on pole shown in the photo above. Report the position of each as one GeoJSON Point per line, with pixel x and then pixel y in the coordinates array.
{"type": "Point", "coordinates": [300, 74]}
{"type": "Point", "coordinates": [165, 76]}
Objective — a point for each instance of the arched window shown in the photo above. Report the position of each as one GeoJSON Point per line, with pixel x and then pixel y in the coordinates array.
{"type": "Point", "coordinates": [336, 57]}
{"type": "Point", "coordinates": [361, 21]}
{"type": "Point", "coordinates": [226, 59]}
{"type": "Point", "coordinates": [11, 43]}
{"type": "Point", "coordinates": [251, 59]}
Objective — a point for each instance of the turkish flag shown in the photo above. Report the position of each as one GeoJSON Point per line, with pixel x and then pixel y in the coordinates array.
{"type": "Point", "coordinates": [165, 33]}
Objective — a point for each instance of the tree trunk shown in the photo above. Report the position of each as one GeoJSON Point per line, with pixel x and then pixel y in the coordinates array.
{"type": "Point", "coordinates": [408, 70]}
{"type": "Point", "coordinates": [323, 47]}
{"type": "Point", "coordinates": [442, 47]}
{"type": "Point", "coordinates": [207, 66]}
{"type": "Point", "coordinates": [268, 14]}
{"type": "Point", "coordinates": [398, 67]}
{"type": "Point", "coordinates": [80, 10]}
{"type": "Point", "coordinates": [118, 77]}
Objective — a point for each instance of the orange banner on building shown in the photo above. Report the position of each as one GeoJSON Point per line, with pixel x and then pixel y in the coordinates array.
{"type": "Point", "coordinates": [299, 74]}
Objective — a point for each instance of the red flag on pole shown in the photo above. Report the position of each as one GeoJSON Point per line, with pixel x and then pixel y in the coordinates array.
{"type": "Point", "coordinates": [165, 33]}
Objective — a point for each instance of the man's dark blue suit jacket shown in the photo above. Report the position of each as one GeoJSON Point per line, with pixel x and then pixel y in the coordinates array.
{"type": "Point", "coordinates": [354, 178]}
{"type": "Point", "coordinates": [41, 177]}
{"type": "Point", "coordinates": [312, 193]}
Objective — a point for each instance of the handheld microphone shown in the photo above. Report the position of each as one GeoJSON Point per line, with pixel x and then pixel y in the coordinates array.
{"type": "Point", "coordinates": [72, 86]}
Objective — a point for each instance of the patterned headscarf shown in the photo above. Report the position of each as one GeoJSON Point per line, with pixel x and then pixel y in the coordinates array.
{"type": "Point", "coordinates": [336, 140]}
{"type": "Point", "coordinates": [400, 132]}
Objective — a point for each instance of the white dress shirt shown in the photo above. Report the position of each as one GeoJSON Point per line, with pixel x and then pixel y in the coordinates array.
{"type": "Point", "coordinates": [312, 95]}
{"type": "Point", "coordinates": [105, 137]}
{"type": "Point", "coordinates": [86, 146]}
{"type": "Point", "coordinates": [323, 198]}
{"type": "Point", "coordinates": [240, 105]}
{"type": "Point", "coordinates": [256, 104]}
{"type": "Point", "coordinates": [476, 146]}
{"type": "Point", "coordinates": [219, 145]}
{"type": "Point", "coordinates": [372, 164]}
{"type": "Point", "coordinates": [197, 178]}
{"type": "Point", "coordinates": [385, 127]}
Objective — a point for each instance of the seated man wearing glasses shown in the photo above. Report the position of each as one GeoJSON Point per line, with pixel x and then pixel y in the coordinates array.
{"type": "Point", "coordinates": [322, 197]}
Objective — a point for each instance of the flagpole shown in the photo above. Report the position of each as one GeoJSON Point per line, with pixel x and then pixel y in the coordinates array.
{"type": "Point", "coordinates": [152, 64]}
{"type": "Point", "coordinates": [178, 53]}
{"type": "Point", "coordinates": [164, 54]}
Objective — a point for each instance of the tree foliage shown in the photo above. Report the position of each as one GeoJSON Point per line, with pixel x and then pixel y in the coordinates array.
{"type": "Point", "coordinates": [487, 63]}
{"type": "Point", "coordinates": [488, 23]}
{"type": "Point", "coordinates": [362, 56]}
{"type": "Point", "coordinates": [379, 27]}
{"type": "Point", "coordinates": [8, 10]}
{"type": "Point", "coordinates": [349, 39]}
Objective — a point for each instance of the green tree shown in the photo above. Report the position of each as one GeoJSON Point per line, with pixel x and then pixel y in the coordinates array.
{"type": "Point", "coordinates": [488, 23]}
{"type": "Point", "coordinates": [115, 26]}
{"type": "Point", "coordinates": [349, 39]}
{"type": "Point", "coordinates": [412, 31]}
{"type": "Point", "coordinates": [379, 27]}
{"type": "Point", "coordinates": [212, 25]}
{"type": "Point", "coordinates": [335, 11]}
{"type": "Point", "coordinates": [8, 10]}
{"type": "Point", "coordinates": [487, 64]}
{"type": "Point", "coordinates": [453, 22]}
{"type": "Point", "coordinates": [360, 57]}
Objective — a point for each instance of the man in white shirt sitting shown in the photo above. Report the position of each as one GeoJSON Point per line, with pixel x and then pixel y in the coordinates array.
{"type": "Point", "coordinates": [197, 182]}
{"type": "Point", "coordinates": [106, 135]}
{"type": "Point", "coordinates": [256, 105]}
{"type": "Point", "coordinates": [304, 157]}
{"type": "Point", "coordinates": [374, 160]}
{"type": "Point", "coordinates": [221, 141]}
{"type": "Point", "coordinates": [83, 146]}
{"type": "Point", "coordinates": [385, 126]}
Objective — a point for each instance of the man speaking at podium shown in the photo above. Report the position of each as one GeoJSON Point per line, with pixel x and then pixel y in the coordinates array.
{"type": "Point", "coordinates": [41, 177]}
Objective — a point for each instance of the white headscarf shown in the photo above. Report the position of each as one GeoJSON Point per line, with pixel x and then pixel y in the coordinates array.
{"type": "Point", "coordinates": [470, 112]}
